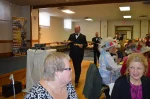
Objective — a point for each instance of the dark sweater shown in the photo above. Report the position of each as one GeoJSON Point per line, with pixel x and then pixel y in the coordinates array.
{"type": "Point", "coordinates": [121, 89]}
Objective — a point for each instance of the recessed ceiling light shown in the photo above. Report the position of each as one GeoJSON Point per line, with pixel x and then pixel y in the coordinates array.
{"type": "Point", "coordinates": [127, 16]}
{"type": "Point", "coordinates": [68, 11]}
{"type": "Point", "coordinates": [88, 19]}
{"type": "Point", "coordinates": [126, 8]}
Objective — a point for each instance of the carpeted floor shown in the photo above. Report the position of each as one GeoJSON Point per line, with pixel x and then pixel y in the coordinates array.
{"type": "Point", "coordinates": [12, 64]}
{"type": "Point", "coordinates": [16, 63]}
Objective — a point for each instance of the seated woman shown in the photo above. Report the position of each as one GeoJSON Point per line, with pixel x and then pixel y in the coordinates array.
{"type": "Point", "coordinates": [133, 85]}
{"type": "Point", "coordinates": [109, 70]}
{"type": "Point", "coordinates": [56, 81]}
{"type": "Point", "coordinates": [144, 50]}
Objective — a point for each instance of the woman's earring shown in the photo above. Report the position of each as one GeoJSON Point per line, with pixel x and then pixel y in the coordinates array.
{"type": "Point", "coordinates": [145, 73]}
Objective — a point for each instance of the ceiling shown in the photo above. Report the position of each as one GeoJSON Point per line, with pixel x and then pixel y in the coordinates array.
{"type": "Point", "coordinates": [44, 2]}
{"type": "Point", "coordinates": [102, 11]}
{"type": "Point", "coordinates": [41, 3]}
{"type": "Point", "coordinates": [96, 9]}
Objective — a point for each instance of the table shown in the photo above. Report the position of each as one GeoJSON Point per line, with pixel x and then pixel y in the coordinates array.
{"type": "Point", "coordinates": [35, 61]}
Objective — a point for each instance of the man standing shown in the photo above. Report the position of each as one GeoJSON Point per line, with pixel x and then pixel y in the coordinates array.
{"type": "Point", "coordinates": [96, 41]}
{"type": "Point", "coordinates": [77, 42]}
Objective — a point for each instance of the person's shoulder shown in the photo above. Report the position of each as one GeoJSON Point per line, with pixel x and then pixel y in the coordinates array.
{"type": "Point", "coordinates": [34, 91]}
{"type": "Point", "coordinates": [121, 79]}
{"type": "Point", "coordinates": [69, 85]}
{"type": "Point", "coordinates": [99, 37]}
{"type": "Point", "coordinates": [145, 79]}
{"type": "Point", "coordinates": [71, 91]}
{"type": "Point", "coordinates": [72, 34]}
{"type": "Point", "coordinates": [82, 34]}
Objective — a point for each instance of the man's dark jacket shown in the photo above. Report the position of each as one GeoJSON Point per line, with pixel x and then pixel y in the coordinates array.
{"type": "Point", "coordinates": [76, 51]}
{"type": "Point", "coordinates": [95, 47]}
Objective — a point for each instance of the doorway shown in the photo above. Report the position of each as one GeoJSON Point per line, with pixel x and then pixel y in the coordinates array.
{"type": "Point", "coordinates": [126, 32]}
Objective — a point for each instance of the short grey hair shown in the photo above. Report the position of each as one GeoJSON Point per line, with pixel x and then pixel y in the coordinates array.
{"type": "Point", "coordinates": [54, 62]}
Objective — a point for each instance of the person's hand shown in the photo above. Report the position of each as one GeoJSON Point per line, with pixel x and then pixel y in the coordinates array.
{"type": "Point", "coordinates": [80, 45]}
{"type": "Point", "coordinates": [68, 42]}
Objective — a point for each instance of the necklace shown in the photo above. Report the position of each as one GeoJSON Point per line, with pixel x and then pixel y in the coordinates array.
{"type": "Point", "coordinates": [136, 84]}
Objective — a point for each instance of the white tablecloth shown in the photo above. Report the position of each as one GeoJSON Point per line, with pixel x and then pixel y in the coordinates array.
{"type": "Point", "coordinates": [35, 60]}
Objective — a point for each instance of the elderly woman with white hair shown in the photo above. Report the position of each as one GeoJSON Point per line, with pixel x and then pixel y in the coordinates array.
{"type": "Point", "coordinates": [108, 69]}
{"type": "Point", "coordinates": [56, 81]}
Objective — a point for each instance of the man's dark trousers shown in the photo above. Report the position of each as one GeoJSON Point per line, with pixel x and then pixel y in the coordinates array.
{"type": "Point", "coordinates": [96, 56]}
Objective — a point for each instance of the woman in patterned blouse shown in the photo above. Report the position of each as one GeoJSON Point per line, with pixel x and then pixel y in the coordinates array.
{"type": "Point", "coordinates": [56, 80]}
{"type": "Point", "coordinates": [133, 85]}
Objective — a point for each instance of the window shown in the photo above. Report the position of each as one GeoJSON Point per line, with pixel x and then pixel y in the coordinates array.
{"type": "Point", "coordinates": [44, 19]}
{"type": "Point", "coordinates": [5, 10]}
{"type": "Point", "coordinates": [67, 24]}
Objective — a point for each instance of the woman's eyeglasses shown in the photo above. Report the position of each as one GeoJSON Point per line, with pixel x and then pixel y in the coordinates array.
{"type": "Point", "coordinates": [66, 68]}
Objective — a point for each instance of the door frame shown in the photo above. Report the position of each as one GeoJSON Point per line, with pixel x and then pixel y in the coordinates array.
{"type": "Point", "coordinates": [131, 29]}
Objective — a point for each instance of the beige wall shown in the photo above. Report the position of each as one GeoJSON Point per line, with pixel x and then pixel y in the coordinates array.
{"type": "Point", "coordinates": [144, 28]}
{"type": "Point", "coordinates": [89, 28]}
{"type": "Point", "coordinates": [5, 30]}
{"type": "Point", "coordinates": [149, 26]}
{"type": "Point", "coordinates": [26, 13]}
{"type": "Point", "coordinates": [34, 22]}
{"type": "Point", "coordinates": [56, 31]}
{"type": "Point", "coordinates": [10, 10]}
{"type": "Point", "coordinates": [134, 23]}
{"type": "Point", "coordinates": [51, 34]}
{"type": "Point", "coordinates": [104, 29]}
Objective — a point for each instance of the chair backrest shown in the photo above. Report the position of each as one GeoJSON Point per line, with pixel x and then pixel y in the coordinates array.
{"type": "Point", "coordinates": [93, 83]}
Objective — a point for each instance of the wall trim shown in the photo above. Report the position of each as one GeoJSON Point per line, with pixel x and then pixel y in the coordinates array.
{"type": "Point", "coordinates": [11, 41]}
{"type": "Point", "coordinates": [35, 40]}
{"type": "Point", "coordinates": [19, 75]}
{"type": "Point", "coordinates": [6, 41]}
{"type": "Point", "coordinates": [6, 54]}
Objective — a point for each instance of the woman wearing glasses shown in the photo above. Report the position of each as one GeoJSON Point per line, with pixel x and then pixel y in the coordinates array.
{"type": "Point", "coordinates": [56, 81]}
{"type": "Point", "coordinates": [133, 85]}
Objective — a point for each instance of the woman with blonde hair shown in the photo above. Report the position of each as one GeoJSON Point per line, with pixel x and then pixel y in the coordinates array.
{"type": "Point", "coordinates": [133, 85]}
{"type": "Point", "coordinates": [56, 80]}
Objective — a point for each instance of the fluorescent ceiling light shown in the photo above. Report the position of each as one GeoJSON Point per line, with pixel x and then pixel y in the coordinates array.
{"type": "Point", "coordinates": [127, 8]}
{"type": "Point", "coordinates": [127, 16]}
{"type": "Point", "coordinates": [68, 11]}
